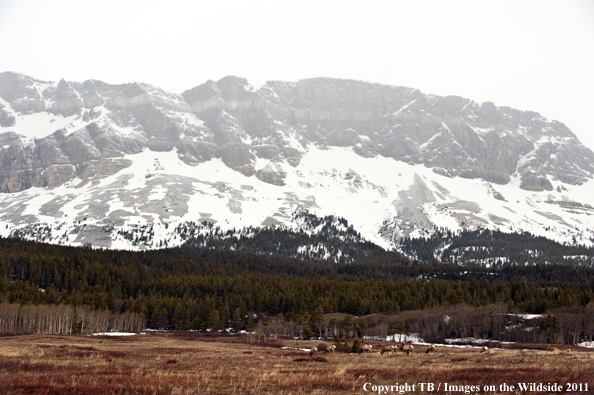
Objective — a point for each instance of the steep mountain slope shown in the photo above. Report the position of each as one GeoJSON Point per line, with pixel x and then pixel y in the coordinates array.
{"type": "Point", "coordinates": [131, 166]}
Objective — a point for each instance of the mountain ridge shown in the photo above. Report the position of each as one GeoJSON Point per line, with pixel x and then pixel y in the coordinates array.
{"type": "Point", "coordinates": [90, 159]}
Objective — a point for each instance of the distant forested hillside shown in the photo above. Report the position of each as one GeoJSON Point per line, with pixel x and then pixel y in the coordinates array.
{"type": "Point", "coordinates": [196, 287]}
{"type": "Point", "coordinates": [333, 238]}
{"type": "Point", "coordinates": [490, 248]}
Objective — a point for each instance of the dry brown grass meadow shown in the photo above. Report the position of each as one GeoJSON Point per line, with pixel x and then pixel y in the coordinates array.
{"type": "Point", "coordinates": [194, 363]}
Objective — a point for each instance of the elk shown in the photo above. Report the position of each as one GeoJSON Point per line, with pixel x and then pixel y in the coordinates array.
{"type": "Point", "coordinates": [431, 348]}
{"type": "Point", "coordinates": [407, 348]}
{"type": "Point", "coordinates": [484, 349]}
{"type": "Point", "coordinates": [366, 348]}
{"type": "Point", "coordinates": [388, 349]}
{"type": "Point", "coordinates": [549, 348]}
{"type": "Point", "coordinates": [313, 351]}
{"type": "Point", "coordinates": [331, 349]}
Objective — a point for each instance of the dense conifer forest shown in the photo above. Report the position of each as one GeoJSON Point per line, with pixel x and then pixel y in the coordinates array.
{"type": "Point", "coordinates": [332, 238]}
{"type": "Point", "coordinates": [199, 288]}
{"type": "Point", "coordinates": [494, 248]}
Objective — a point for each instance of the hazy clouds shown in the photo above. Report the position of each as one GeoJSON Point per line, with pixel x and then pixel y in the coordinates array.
{"type": "Point", "coordinates": [531, 55]}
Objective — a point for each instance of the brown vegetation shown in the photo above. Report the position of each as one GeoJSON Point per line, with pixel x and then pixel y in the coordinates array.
{"type": "Point", "coordinates": [192, 363]}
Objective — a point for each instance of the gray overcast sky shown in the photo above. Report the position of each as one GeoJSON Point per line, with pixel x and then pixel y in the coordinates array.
{"type": "Point", "coordinates": [531, 55]}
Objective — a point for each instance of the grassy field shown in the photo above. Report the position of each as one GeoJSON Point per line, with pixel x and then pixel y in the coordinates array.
{"type": "Point", "coordinates": [193, 363]}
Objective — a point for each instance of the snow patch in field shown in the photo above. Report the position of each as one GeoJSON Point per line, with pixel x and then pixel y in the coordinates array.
{"type": "Point", "coordinates": [115, 334]}
{"type": "Point", "coordinates": [296, 348]}
{"type": "Point", "coordinates": [528, 316]}
{"type": "Point", "coordinates": [467, 340]}
{"type": "Point", "coordinates": [412, 338]}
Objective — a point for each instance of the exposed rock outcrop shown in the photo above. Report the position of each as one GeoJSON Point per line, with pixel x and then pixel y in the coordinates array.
{"type": "Point", "coordinates": [241, 122]}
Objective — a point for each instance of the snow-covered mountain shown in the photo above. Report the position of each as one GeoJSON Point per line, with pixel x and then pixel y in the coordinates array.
{"type": "Point", "coordinates": [128, 166]}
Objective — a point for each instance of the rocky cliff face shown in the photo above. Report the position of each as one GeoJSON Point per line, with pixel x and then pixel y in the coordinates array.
{"type": "Point", "coordinates": [77, 134]}
{"type": "Point", "coordinates": [240, 123]}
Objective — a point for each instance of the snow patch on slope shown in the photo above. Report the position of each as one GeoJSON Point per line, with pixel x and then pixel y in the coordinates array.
{"type": "Point", "coordinates": [160, 191]}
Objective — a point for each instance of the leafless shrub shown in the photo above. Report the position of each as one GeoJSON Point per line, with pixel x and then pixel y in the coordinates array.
{"type": "Point", "coordinates": [343, 349]}
{"type": "Point", "coordinates": [313, 359]}
{"type": "Point", "coordinates": [272, 344]}
{"type": "Point", "coordinates": [64, 319]}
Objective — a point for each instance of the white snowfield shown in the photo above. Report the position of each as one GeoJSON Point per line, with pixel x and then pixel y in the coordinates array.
{"type": "Point", "coordinates": [149, 194]}
{"type": "Point", "coordinates": [161, 191]}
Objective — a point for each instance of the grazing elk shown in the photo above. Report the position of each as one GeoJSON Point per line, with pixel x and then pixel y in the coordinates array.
{"type": "Point", "coordinates": [431, 348]}
{"type": "Point", "coordinates": [407, 348]}
{"type": "Point", "coordinates": [313, 351]}
{"type": "Point", "coordinates": [549, 348]}
{"type": "Point", "coordinates": [331, 349]}
{"type": "Point", "coordinates": [388, 349]}
{"type": "Point", "coordinates": [366, 348]}
{"type": "Point", "coordinates": [484, 349]}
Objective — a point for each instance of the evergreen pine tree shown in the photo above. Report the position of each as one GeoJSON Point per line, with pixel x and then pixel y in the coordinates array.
{"type": "Point", "coordinates": [549, 326]}
{"type": "Point", "coordinates": [76, 323]}
{"type": "Point", "coordinates": [356, 346]}
{"type": "Point", "coordinates": [236, 320]}
{"type": "Point", "coordinates": [399, 328]}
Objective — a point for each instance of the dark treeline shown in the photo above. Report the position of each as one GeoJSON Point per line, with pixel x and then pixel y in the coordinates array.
{"type": "Point", "coordinates": [486, 247]}
{"type": "Point", "coordinates": [333, 238]}
{"type": "Point", "coordinates": [195, 288]}
{"type": "Point", "coordinates": [326, 237]}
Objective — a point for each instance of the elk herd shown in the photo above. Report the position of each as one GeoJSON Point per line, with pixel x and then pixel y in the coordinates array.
{"type": "Point", "coordinates": [367, 349]}
{"type": "Point", "coordinates": [406, 348]}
